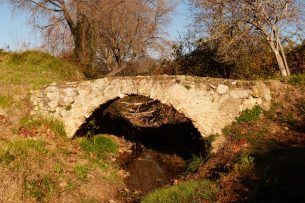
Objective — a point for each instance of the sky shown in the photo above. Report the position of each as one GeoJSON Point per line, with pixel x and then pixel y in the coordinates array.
{"type": "Point", "coordinates": [17, 34]}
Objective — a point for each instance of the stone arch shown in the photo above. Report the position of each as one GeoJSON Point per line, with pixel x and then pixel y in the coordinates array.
{"type": "Point", "coordinates": [174, 133]}
{"type": "Point", "coordinates": [210, 104]}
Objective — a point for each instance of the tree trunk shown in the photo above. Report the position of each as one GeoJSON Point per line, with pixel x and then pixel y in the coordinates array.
{"type": "Point", "coordinates": [281, 61]}
{"type": "Point", "coordinates": [84, 51]}
{"type": "Point", "coordinates": [284, 59]}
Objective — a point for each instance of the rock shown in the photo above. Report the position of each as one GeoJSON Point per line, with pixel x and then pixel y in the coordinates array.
{"type": "Point", "coordinates": [249, 103]}
{"type": "Point", "coordinates": [239, 93]}
{"type": "Point", "coordinates": [222, 89]}
{"type": "Point", "coordinates": [261, 90]}
{"type": "Point", "coordinates": [218, 143]}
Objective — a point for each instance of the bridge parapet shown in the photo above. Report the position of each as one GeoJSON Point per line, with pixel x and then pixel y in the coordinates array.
{"type": "Point", "coordinates": [210, 104]}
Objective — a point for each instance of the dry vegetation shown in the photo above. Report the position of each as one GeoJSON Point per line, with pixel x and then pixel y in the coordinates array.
{"type": "Point", "coordinates": [263, 159]}
{"type": "Point", "coordinates": [37, 162]}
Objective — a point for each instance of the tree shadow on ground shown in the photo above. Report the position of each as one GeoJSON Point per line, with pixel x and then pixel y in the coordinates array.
{"type": "Point", "coordinates": [280, 174]}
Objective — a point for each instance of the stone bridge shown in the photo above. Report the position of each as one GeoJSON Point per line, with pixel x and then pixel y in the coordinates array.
{"type": "Point", "coordinates": [210, 104]}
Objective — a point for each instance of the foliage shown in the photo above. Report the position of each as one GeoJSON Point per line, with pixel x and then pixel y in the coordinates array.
{"type": "Point", "coordinates": [249, 115]}
{"type": "Point", "coordinates": [37, 69]}
{"type": "Point", "coordinates": [189, 191]}
{"type": "Point", "coordinates": [199, 58]}
{"type": "Point", "coordinates": [230, 22]}
{"type": "Point", "coordinates": [296, 59]}
{"type": "Point", "coordinates": [99, 145]}
{"type": "Point", "coordinates": [251, 59]}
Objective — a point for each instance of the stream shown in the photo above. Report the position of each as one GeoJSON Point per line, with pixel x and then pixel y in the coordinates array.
{"type": "Point", "coordinates": [148, 170]}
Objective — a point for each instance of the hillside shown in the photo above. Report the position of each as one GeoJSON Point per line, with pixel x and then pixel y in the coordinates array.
{"type": "Point", "coordinates": [263, 159]}
{"type": "Point", "coordinates": [35, 68]}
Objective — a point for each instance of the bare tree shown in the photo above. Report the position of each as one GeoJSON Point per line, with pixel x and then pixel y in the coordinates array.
{"type": "Point", "coordinates": [236, 18]}
{"type": "Point", "coordinates": [127, 30]}
{"type": "Point", "coordinates": [107, 32]}
{"type": "Point", "coordinates": [63, 22]}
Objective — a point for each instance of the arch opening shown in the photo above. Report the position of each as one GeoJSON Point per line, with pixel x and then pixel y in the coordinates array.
{"type": "Point", "coordinates": [163, 140]}
{"type": "Point", "coordinates": [146, 122]}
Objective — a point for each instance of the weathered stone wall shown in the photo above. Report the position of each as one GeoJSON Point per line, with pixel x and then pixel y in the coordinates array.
{"type": "Point", "coordinates": [211, 104]}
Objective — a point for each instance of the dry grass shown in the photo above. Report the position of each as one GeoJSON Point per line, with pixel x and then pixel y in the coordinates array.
{"type": "Point", "coordinates": [48, 168]}
{"type": "Point", "coordinates": [263, 159]}
{"type": "Point", "coordinates": [37, 162]}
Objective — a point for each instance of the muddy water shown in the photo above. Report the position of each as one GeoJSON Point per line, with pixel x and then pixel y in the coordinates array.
{"type": "Point", "coordinates": [150, 169]}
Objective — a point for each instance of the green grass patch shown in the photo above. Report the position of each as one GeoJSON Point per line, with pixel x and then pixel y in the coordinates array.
{"type": "Point", "coordinates": [189, 191]}
{"type": "Point", "coordinates": [58, 169]}
{"type": "Point", "coordinates": [250, 115]}
{"type": "Point", "coordinates": [81, 171]}
{"type": "Point", "coordinates": [194, 163]}
{"type": "Point", "coordinates": [245, 163]}
{"type": "Point", "coordinates": [39, 188]}
{"type": "Point", "coordinates": [20, 149]}
{"type": "Point", "coordinates": [88, 200]}
{"type": "Point", "coordinates": [5, 101]}
{"type": "Point", "coordinates": [36, 68]}
{"type": "Point", "coordinates": [100, 145]}
{"type": "Point", "coordinates": [53, 124]}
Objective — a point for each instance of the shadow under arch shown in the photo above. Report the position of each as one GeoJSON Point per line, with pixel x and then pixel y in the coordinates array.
{"type": "Point", "coordinates": [175, 133]}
